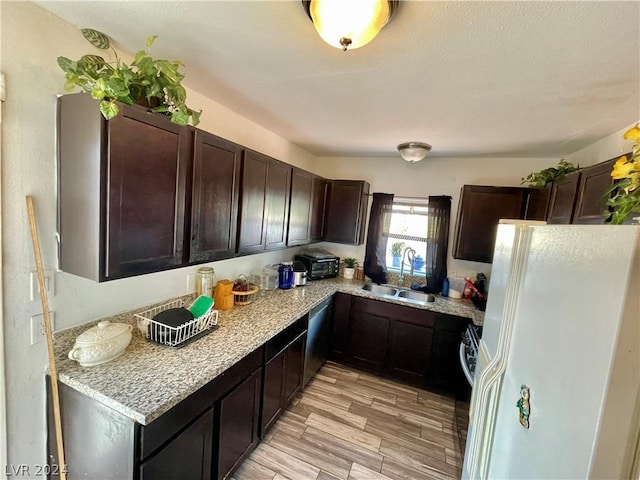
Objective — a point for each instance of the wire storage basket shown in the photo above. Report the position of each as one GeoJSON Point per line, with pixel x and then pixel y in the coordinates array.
{"type": "Point", "coordinates": [174, 336]}
{"type": "Point", "coordinates": [245, 297]}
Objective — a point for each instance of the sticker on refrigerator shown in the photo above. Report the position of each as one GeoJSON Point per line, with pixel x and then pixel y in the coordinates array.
{"type": "Point", "coordinates": [524, 407]}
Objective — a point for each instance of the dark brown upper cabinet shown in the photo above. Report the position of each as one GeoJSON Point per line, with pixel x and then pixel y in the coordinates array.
{"type": "Point", "coordinates": [480, 209]}
{"type": "Point", "coordinates": [346, 213]}
{"type": "Point", "coordinates": [306, 213]}
{"type": "Point", "coordinates": [591, 203]}
{"type": "Point", "coordinates": [300, 210]}
{"type": "Point", "coordinates": [563, 199]}
{"type": "Point", "coordinates": [318, 205]}
{"type": "Point", "coordinates": [215, 194]}
{"type": "Point", "coordinates": [537, 203]}
{"type": "Point", "coordinates": [264, 203]}
{"type": "Point", "coordinates": [121, 204]}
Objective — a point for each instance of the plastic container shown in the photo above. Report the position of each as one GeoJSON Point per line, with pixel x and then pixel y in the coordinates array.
{"type": "Point", "coordinates": [285, 275]}
{"type": "Point", "coordinates": [265, 278]}
{"type": "Point", "coordinates": [205, 281]}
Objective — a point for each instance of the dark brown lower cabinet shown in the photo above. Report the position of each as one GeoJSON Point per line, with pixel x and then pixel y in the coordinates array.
{"type": "Point", "coordinates": [389, 339]}
{"type": "Point", "coordinates": [400, 342]}
{"type": "Point", "coordinates": [283, 372]}
{"type": "Point", "coordinates": [272, 392]}
{"type": "Point", "coordinates": [193, 443]}
{"type": "Point", "coordinates": [368, 335]}
{"type": "Point", "coordinates": [205, 436]}
{"type": "Point", "coordinates": [444, 374]}
{"type": "Point", "coordinates": [238, 427]}
{"type": "Point", "coordinates": [293, 368]}
{"type": "Point", "coordinates": [409, 347]}
{"type": "Point", "coordinates": [341, 313]}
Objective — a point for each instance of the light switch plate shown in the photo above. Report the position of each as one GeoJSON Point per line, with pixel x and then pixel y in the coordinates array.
{"type": "Point", "coordinates": [38, 334]}
{"type": "Point", "coordinates": [34, 287]}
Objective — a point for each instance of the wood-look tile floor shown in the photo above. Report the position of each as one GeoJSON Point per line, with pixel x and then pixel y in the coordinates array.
{"type": "Point", "coordinates": [354, 426]}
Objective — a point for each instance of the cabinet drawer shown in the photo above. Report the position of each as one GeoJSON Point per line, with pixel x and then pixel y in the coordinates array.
{"type": "Point", "coordinates": [284, 338]}
{"type": "Point", "coordinates": [161, 430]}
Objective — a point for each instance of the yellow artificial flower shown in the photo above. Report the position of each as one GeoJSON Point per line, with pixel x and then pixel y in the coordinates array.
{"type": "Point", "coordinates": [635, 183]}
{"type": "Point", "coordinates": [632, 133]}
{"type": "Point", "coordinates": [621, 169]}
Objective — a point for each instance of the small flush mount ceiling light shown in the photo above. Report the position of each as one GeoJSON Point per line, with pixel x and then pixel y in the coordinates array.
{"type": "Point", "coordinates": [413, 152]}
{"type": "Point", "coordinates": [349, 24]}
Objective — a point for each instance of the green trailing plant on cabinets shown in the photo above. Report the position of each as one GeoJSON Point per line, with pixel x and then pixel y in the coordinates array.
{"type": "Point", "coordinates": [153, 83]}
{"type": "Point", "coordinates": [542, 177]}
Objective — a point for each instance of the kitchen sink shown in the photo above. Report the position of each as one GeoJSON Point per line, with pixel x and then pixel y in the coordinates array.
{"type": "Point", "coordinates": [410, 296]}
{"type": "Point", "coordinates": [380, 289]}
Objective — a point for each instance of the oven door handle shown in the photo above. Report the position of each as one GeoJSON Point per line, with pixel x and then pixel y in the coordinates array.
{"type": "Point", "coordinates": [463, 363]}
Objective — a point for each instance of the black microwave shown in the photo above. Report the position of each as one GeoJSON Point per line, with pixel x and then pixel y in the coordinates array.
{"type": "Point", "coordinates": [319, 266]}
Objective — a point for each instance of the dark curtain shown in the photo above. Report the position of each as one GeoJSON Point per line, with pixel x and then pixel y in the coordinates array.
{"type": "Point", "coordinates": [376, 248]}
{"type": "Point", "coordinates": [437, 242]}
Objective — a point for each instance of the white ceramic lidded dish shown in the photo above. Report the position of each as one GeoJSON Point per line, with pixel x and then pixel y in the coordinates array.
{"type": "Point", "coordinates": [101, 344]}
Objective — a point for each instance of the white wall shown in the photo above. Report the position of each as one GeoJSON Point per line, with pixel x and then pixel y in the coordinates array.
{"type": "Point", "coordinates": [609, 147]}
{"type": "Point", "coordinates": [32, 39]}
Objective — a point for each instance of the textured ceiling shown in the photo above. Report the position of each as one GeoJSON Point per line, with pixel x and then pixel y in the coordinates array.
{"type": "Point", "coordinates": [471, 78]}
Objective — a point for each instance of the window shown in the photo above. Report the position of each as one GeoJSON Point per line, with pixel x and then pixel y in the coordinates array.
{"type": "Point", "coordinates": [407, 228]}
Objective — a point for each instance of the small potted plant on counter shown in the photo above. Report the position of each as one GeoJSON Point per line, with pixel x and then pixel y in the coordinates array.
{"type": "Point", "coordinates": [396, 253]}
{"type": "Point", "coordinates": [350, 265]}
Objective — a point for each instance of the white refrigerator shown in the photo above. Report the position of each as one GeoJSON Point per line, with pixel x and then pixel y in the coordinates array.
{"type": "Point", "coordinates": [556, 389]}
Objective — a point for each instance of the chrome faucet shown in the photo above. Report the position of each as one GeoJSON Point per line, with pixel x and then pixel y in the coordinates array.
{"type": "Point", "coordinates": [409, 253]}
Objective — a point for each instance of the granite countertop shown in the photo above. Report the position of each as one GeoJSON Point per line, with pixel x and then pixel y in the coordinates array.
{"type": "Point", "coordinates": [148, 379]}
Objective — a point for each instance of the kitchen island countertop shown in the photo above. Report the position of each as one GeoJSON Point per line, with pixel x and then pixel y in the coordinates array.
{"type": "Point", "coordinates": [148, 379]}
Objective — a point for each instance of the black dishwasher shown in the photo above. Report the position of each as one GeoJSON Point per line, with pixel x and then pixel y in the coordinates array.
{"type": "Point", "coordinates": [317, 339]}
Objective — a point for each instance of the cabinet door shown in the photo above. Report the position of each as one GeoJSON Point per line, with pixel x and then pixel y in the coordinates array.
{"type": "Point", "coordinates": [592, 203]}
{"type": "Point", "coordinates": [216, 185]}
{"type": "Point", "coordinates": [264, 205]}
{"type": "Point", "coordinates": [445, 374]}
{"type": "Point", "coordinates": [187, 456]}
{"type": "Point", "coordinates": [293, 368]}
{"type": "Point", "coordinates": [318, 197]}
{"type": "Point", "coordinates": [537, 203]}
{"type": "Point", "coordinates": [478, 213]}
{"type": "Point", "coordinates": [347, 211]}
{"type": "Point", "coordinates": [253, 203]}
{"type": "Point", "coordinates": [368, 335]}
{"type": "Point", "coordinates": [272, 392]}
{"type": "Point", "coordinates": [340, 326]}
{"type": "Point", "coordinates": [563, 199]}
{"type": "Point", "coordinates": [300, 210]}
{"type": "Point", "coordinates": [409, 351]}
{"type": "Point", "coordinates": [239, 418]}
{"type": "Point", "coordinates": [148, 160]}
{"type": "Point", "coordinates": [277, 198]}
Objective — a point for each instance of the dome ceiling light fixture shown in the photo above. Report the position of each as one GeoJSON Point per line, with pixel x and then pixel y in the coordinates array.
{"type": "Point", "coordinates": [413, 152]}
{"type": "Point", "coordinates": [348, 24]}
